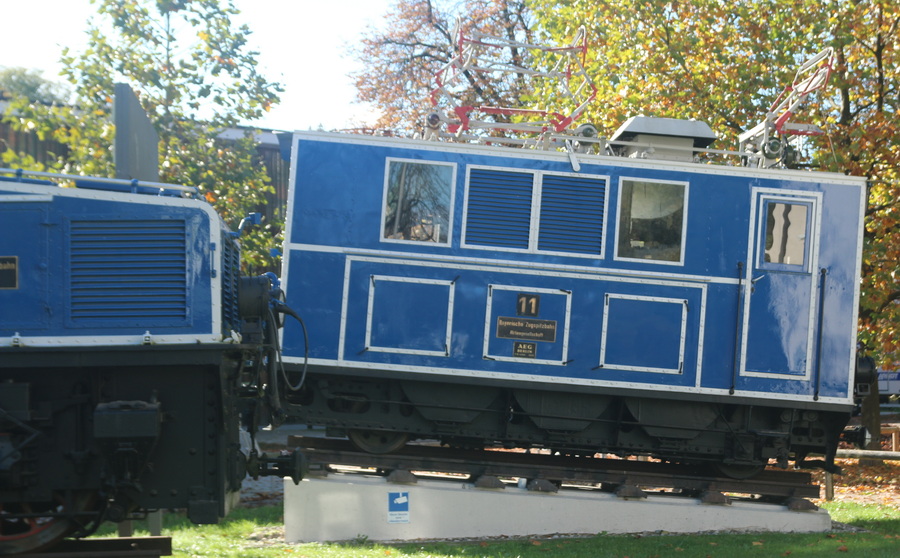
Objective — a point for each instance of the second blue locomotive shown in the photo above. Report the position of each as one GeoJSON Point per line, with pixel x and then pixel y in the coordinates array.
{"type": "Point", "coordinates": [131, 354]}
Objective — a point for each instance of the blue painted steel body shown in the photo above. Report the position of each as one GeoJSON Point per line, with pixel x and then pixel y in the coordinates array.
{"type": "Point", "coordinates": [723, 312]}
{"type": "Point", "coordinates": [103, 267]}
{"type": "Point", "coordinates": [128, 366]}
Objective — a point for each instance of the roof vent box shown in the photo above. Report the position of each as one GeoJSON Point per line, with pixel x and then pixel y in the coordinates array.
{"type": "Point", "coordinates": [670, 139]}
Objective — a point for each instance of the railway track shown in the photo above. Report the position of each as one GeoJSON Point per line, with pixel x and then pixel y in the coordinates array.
{"type": "Point", "coordinates": [628, 479]}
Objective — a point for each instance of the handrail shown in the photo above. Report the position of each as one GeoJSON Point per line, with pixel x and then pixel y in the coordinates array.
{"type": "Point", "coordinates": [869, 454]}
{"type": "Point", "coordinates": [118, 181]}
{"type": "Point", "coordinates": [558, 140]}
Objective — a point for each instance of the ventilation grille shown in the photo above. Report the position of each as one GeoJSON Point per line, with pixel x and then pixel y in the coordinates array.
{"type": "Point", "coordinates": [127, 270]}
{"type": "Point", "coordinates": [572, 214]}
{"type": "Point", "coordinates": [499, 208]}
{"type": "Point", "coordinates": [231, 273]}
{"type": "Point", "coordinates": [570, 217]}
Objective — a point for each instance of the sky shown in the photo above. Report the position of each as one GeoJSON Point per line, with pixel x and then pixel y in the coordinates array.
{"type": "Point", "coordinates": [302, 43]}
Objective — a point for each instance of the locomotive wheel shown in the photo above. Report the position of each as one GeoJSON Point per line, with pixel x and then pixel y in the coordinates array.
{"type": "Point", "coordinates": [32, 534]}
{"type": "Point", "coordinates": [377, 441]}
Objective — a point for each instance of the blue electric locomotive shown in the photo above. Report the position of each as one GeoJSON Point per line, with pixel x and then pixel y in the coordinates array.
{"type": "Point", "coordinates": [131, 351]}
{"type": "Point", "coordinates": [629, 302]}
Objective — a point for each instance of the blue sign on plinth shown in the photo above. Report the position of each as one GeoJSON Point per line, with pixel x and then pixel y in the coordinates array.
{"type": "Point", "coordinates": [398, 507]}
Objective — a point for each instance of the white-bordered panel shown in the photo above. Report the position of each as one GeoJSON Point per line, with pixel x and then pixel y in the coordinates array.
{"type": "Point", "coordinates": [409, 315]}
{"type": "Point", "coordinates": [527, 324]}
{"type": "Point", "coordinates": [644, 333]}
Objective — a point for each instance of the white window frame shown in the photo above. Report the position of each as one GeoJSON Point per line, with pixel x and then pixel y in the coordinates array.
{"type": "Point", "coordinates": [384, 191]}
{"type": "Point", "coordinates": [684, 221]}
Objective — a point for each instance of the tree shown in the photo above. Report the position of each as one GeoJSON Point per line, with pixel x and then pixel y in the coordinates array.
{"type": "Point", "coordinates": [400, 63]}
{"type": "Point", "coordinates": [725, 62]}
{"type": "Point", "coordinates": [30, 84]}
{"type": "Point", "coordinates": [195, 75]}
{"type": "Point", "coordinates": [722, 62]}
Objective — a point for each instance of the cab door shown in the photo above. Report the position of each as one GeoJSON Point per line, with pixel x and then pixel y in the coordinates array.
{"type": "Point", "coordinates": [780, 286]}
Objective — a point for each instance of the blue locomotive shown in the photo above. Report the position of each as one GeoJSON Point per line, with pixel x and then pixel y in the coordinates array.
{"type": "Point", "coordinates": [131, 352]}
{"type": "Point", "coordinates": [631, 301]}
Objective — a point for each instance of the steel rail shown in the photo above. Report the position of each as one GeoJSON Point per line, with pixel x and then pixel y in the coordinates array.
{"type": "Point", "coordinates": [321, 453]}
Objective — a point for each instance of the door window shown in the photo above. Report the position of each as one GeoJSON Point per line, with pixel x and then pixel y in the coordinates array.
{"type": "Point", "coordinates": [786, 232]}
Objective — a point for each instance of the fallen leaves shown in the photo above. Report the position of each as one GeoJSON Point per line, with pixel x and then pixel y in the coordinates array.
{"type": "Point", "coordinates": [866, 484]}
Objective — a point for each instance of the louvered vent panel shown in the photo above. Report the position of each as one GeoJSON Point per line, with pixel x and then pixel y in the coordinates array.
{"type": "Point", "coordinates": [121, 270]}
{"type": "Point", "coordinates": [572, 214]}
{"type": "Point", "coordinates": [499, 208]}
{"type": "Point", "coordinates": [231, 272]}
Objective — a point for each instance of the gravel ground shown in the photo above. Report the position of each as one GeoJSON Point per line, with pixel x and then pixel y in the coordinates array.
{"type": "Point", "coordinates": [264, 491]}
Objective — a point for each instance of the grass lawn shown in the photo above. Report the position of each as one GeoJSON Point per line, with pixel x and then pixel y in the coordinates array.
{"type": "Point", "coordinates": [869, 500]}
{"type": "Point", "coordinates": [251, 532]}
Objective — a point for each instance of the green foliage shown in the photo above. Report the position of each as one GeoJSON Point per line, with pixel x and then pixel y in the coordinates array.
{"type": "Point", "coordinates": [718, 62]}
{"type": "Point", "coordinates": [22, 82]}
{"type": "Point", "coordinates": [194, 75]}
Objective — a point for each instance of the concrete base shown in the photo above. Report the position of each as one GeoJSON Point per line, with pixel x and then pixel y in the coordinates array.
{"type": "Point", "coordinates": [348, 506]}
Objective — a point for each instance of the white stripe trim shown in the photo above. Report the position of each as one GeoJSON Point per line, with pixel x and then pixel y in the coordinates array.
{"type": "Point", "coordinates": [513, 265]}
{"type": "Point", "coordinates": [452, 373]}
{"type": "Point", "coordinates": [111, 340]}
{"type": "Point", "coordinates": [584, 159]}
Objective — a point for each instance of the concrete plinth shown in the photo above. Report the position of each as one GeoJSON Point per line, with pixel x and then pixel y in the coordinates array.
{"type": "Point", "coordinates": [347, 506]}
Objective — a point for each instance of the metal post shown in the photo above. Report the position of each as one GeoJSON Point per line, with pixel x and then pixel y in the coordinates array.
{"type": "Point", "coordinates": [829, 486]}
{"type": "Point", "coordinates": [154, 523]}
{"type": "Point", "coordinates": [126, 528]}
